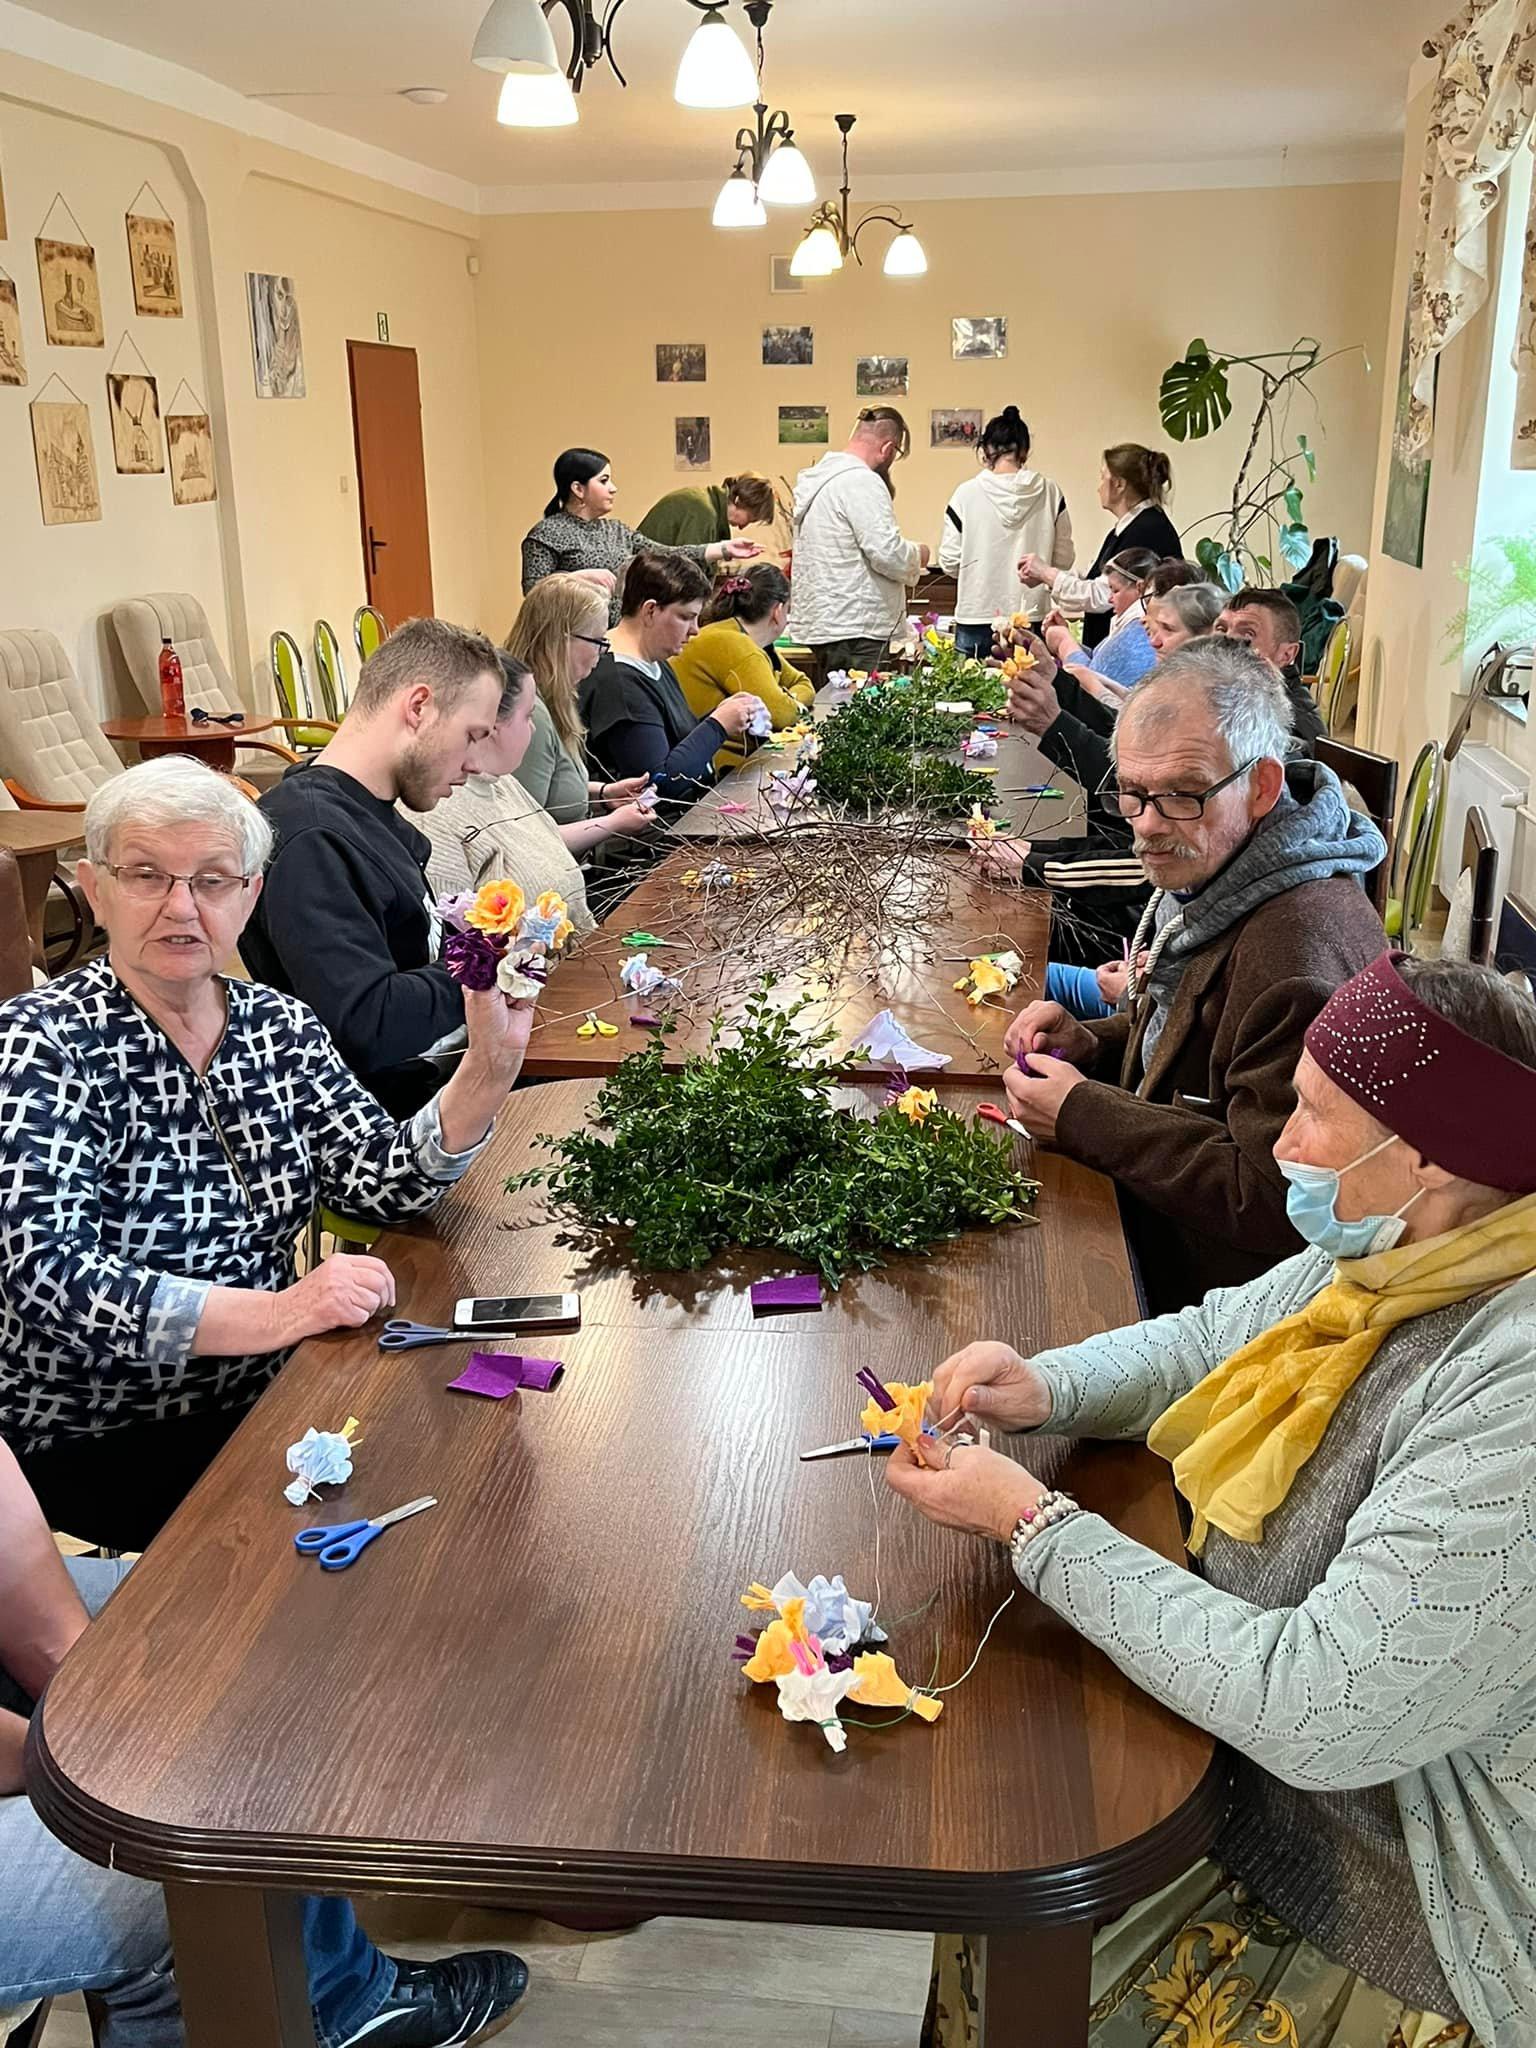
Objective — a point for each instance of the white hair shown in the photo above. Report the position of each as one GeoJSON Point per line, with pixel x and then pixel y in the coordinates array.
{"type": "Point", "coordinates": [175, 790]}
{"type": "Point", "coordinates": [1243, 694]}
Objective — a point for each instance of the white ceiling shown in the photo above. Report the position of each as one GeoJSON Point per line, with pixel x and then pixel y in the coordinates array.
{"type": "Point", "coordinates": [946, 90]}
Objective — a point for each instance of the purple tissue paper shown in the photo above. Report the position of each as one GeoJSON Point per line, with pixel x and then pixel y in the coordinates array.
{"type": "Point", "coordinates": [798, 1290]}
{"type": "Point", "coordinates": [540, 1374]}
{"type": "Point", "coordinates": [499, 1373]}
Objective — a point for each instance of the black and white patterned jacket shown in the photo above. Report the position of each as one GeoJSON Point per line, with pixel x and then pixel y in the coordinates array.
{"type": "Point", "coordinates": [130, 1185]}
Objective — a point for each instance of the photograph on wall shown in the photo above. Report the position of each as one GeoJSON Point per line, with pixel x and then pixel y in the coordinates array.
{"type": "Point", "coordinates": [152, 259]}
{"type": "Point", "coordinates": [802, 425]}
{"type": "Point", "coordinates": [66, 272]}
{"type": "Point", "coordinates": [13, 364]}
{"type": "Point", "coordinates": [1402, 525]}
{"type": "Point", "coordinates": [954, 427]}
{"type": "Point", "coordinates": [691, 443]}
{"type": "Point", "coordinates": [66, 462]}
{"type": "Point", "coordinates": [276, 345]}
{"type": "Point", "coordinates": [133, 406]}
{"type": "Point", "coordinates": [796, 345]}
{"type": "Point", "coordinates": [970, 340]}
{"type": "Point", "coordinates": [881, 377]}
{"type": "Point", "coordinates": [189, 443]}
{"type": "Point", "coordinates": [679, 362]}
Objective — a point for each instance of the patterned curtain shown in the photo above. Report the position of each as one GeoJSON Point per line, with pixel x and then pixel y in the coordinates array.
{"type": "Point", "coordinates": [1483, 110]}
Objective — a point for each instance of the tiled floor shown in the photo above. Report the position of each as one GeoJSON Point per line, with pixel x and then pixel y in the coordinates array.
{"type": "Point", "coordinates": [686, 1982]}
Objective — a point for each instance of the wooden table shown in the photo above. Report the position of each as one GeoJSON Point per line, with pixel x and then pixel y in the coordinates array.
{"type": "Point", "coordinates": [1019, 763]}
{"type": "Point", "coordinates": [526, 1697]}
{"type": "Point", "coordinates": [917, 984]}
{"type": "Point", "coordinates": [214, 744]}
{"type": "Point", "coordinates": [37, 838]}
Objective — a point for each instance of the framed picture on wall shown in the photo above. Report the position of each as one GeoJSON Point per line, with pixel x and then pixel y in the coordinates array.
{"type": "Point", "coordinates": [802, 426]}
{"type": "Point", "coordinates": [691, 443]}
{"type": "Point", "coordinates": [66, 274]}
{"type": "Point", "coordinates": [1407, 507]}
{"type": "Point", "coordinates": [881, 377]}
{"type": "Point", "coordinates": [954, 427]}
{"type": "Point", "coordinates": [974, 339]}
{"type": "Point", "coordinates": [277, 347]}
{"type": "Point", "coordinates": [189, 443]}
{"type": "Point", "coordinates": [133, 406]}
{"type": "Point", "coordinates": [680, 362]}
{"type": "Point", "coordinates": [13, 364]}
{"type": "Point", "coordinates": [789, 346]}
{"type": "Point", "coordinates": [66, 462]}
{"type": "Point", "coordinates": [156, 272]}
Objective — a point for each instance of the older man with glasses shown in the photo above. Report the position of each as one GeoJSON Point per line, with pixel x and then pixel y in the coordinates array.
{"type": "Point", "coordinates": [1258, 915]}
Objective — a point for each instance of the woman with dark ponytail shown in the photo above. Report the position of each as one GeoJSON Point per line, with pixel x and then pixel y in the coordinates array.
{"type": "Point", "coordinates": [734, 651]}
{"type": "Point", "coordinates": [992, 523]}
{"type": "Point", "coordinates": [1133, 483]}
{"type": "Point", "coordinates": [578, 537]}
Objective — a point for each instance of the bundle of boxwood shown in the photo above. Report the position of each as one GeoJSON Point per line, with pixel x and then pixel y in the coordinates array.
{"type": "Point", "coordinates": [881, 750]}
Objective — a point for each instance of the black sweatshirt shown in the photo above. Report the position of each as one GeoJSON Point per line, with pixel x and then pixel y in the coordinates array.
{"type": "Point", "coordinates": [344, 923]}
{"type": "Point", "coordinates": [641, 725]}
{"type": "Point", "coordinates": [1151, 528]}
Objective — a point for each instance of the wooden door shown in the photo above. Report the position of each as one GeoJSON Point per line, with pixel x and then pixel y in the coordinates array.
{"type": "Point", "coordinates": [391, 480]}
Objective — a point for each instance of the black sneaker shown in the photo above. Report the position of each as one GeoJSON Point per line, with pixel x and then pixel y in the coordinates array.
{"type": "Point", "coordinates": [448, 2004]}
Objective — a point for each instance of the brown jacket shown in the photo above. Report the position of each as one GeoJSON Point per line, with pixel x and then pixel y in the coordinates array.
{"type": "Point", "coordinates": [1191, 1141]}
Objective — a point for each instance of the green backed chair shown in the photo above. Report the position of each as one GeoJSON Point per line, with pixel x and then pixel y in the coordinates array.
{"type": "Point", "coordinates": [1417, 845]}
{"type": "Point", "coordinates": [330, 670]}
{"type": "Point", "coordinates": [369, 631]}
{"type": "Point", "coordinates": [1333, 675]}
{"type": "Point", "coordinates": [292, 686]}
{"type": "Point", "coordinates": [348, 1233]}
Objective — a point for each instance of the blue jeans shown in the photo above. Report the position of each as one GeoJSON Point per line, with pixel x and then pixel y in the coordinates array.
{"type": "Point", "coordinates": [976, 641]}
{"type": "Point", "coordinates": [68, 1925]}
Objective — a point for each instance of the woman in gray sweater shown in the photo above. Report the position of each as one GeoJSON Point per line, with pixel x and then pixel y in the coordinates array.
{"type": "Point", "coordinates": [1353, 1436]}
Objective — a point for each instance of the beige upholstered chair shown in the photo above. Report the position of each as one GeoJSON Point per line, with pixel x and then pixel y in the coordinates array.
{"type": "Point", "coordinates": [142, 623]}
{"type": "Point", "coordinates": [53, 752]}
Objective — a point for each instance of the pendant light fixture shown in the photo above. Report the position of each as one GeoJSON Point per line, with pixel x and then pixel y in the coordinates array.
{"type": "Point", "coordinates": [536, 100]}
{"type": "Point", "coordinates": [830, 238]}
{"type": "Point", "coordinates": [739, 205]}
{"type": "Point", "coordinates": [716, 70]}
{"type": "Point", "coordinates": [768, 162]}
{"type": "Point", "coordinates": [515, 40]}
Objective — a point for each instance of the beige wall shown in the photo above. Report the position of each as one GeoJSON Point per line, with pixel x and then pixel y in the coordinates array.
{"type": "Point", "coordinates": [1102, 293]}
{"type": "Point", "coordinates": [282, 544]}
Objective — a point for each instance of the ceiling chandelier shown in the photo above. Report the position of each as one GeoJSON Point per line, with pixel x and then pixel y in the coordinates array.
{"type": "Point", "coordinates": [770, 170]}
{"type": "Point", "coordinates": [829, 240]}
{"type": "Point", "coordinates": [538, 91]}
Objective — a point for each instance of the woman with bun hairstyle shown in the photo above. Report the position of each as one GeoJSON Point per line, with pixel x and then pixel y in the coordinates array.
{"type": "Point", "coordinates": [1133, 484]}
{"type": "Point", "coordinates": [734, 651]}
{"type": "Point", "coordinates": [993, 523]}
{"type": "Point", "coordinates": [578, 536]}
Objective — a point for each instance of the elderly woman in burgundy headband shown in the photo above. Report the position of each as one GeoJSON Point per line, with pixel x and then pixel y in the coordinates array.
{"type": "Point", "coordinates": [1355, 1435]}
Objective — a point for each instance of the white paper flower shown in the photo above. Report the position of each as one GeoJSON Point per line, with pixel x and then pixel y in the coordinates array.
{"type": "Point", "coordinates": [321, 1457]}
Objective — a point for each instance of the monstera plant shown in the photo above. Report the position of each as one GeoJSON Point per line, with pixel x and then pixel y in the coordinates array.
{"type": "Point", "coordinates": [1265, 524]}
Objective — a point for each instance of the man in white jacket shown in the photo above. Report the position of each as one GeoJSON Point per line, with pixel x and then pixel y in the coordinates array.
{"type": "Point", "coordinates": [852, 565]}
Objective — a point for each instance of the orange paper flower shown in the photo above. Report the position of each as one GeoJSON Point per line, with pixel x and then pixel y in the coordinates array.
{"type": "Point", "coordinates": [498, 907]}
{"type": "Point", "coordinates": [877, 1683]}
{"type": "Point", "coordinates": [905, 1420]}
{"type": "Point", "coordinates": [773, 1657]}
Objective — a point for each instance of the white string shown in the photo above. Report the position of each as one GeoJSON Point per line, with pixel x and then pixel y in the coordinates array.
{"type": "Point", "coordinates": [965, 1674]}
{"type": "Point", "coordinates": [874, 1501]}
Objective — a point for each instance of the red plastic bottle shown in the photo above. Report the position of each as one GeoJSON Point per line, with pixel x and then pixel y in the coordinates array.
{"type": "Point", "coordinates": [173, 699]}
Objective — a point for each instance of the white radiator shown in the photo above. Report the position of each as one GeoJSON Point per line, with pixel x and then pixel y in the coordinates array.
{"type": "Point", "coordinates": [1481, 775]}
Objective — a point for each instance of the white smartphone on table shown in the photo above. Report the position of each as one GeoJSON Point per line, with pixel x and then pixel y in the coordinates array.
{"type": "Point", "coordinates": [517, 1312]}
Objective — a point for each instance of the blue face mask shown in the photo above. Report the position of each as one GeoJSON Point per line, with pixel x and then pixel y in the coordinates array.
{"type": "Point", "coordinates": [1311, 1203]}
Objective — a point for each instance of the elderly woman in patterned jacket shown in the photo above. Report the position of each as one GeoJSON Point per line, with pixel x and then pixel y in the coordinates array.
{"type": "Point", "coordinates": [165, 1135]}
{"type": "Point", "coordinates": [1353, 1436]}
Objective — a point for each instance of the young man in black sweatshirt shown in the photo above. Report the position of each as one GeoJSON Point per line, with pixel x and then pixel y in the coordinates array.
{"type": "Point", "coordinates": [345, 920]}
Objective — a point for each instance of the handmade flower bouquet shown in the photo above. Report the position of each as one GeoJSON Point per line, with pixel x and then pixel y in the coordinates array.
{"type": "Point", "coordinates": [496, 939]}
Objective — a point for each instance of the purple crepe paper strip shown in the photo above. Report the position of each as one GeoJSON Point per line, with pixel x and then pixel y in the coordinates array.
{"type": "Point", "coordinates": [499, 1373]}
{"type": "Point", "coordinates": [1053, 1054]}
{"type": "Point", "coordinates": [643, 1022]}
{"type": "Point", "coordinates": [875, 1388]}
{"type": "Point", "coordinates": [540, 1374]}
{"type": "Point", "coordinates": [798, 1290]}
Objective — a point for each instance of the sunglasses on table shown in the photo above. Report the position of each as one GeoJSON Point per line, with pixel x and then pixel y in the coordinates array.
{"type": "Point", "coordinates": [1180, 805]}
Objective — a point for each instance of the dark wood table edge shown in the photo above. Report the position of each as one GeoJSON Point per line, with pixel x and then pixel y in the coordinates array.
{"type": "Point", "coordinates": [854, 1895]}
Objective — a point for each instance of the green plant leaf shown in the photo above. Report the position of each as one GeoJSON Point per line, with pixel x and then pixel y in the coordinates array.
{"type": "Point", "coordinates": [1295, 546]}
{"type": "Point", "coordinates": [1208, 555]}
{"type": "Point", "coordinates": [1266, 564]}
{"type": "Point", "coordinates": [1193, 397]}
{"type": "Point", "coordinates": [1229, 569]}
{"type": "Point", "coordinates": [1307, 456]}
{"type": "Point", "coordinates": [1293, 510]}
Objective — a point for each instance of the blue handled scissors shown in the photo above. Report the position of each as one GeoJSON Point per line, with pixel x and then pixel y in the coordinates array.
{"type": "Point", "coordinates": [343, 1543]}
{"type": "Point", "coordinates": [400, 1335]}
{"type": "Point", "coordinates": [866, 1442]}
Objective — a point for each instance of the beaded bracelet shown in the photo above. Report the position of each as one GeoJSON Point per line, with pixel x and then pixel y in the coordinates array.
{"type": "Point", "coordinates": [1048, 1509]}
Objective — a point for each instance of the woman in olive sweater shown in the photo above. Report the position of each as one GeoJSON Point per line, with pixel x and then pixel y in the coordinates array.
{"type": "Point", "coordinates": [706, 512]}
{"type": "Point", "coordinates": [734, 651]}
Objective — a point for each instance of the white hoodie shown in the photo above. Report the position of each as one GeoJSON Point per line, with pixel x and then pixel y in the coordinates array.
{"type": "Point", "coordinates": [851, 565]}
{"type": "Point", "coordinates": [1000, 520]}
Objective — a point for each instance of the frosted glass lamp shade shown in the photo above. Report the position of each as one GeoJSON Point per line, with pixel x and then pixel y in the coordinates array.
{"type": "Point", "coordinates": [716, 70]}
{"type": "Point", "coordinates": [514, 37]}
{"type": "Point", "coordinates": [738, 205]}
{"type": "Point", "coordinates": [817, 256]}
{"type": "Point", "coordinates": [533, 101]}
{"type": "Point", "coordinates": [787, 179]}
{"type": "Point", "coordinates": [905, 257]}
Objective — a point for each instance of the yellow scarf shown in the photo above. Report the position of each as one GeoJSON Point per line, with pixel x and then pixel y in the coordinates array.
{"type": "Point", "coordinates": [1237, 1441]}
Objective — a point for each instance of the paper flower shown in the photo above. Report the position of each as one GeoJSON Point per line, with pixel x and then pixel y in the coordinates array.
{"type": "Point", "coordinates": [905, 1420]}
{"type": "Point", "coordinates": [547, 923]}
{"type": "Point", "coordinates": [773, 1657]}
{"type": "Point", "coordinates": [596, 1027]}
{"type": "Point", "coordinates": [472, 959]}
{"type": "Point", "coordinates": [515, 977]}
{"type": "Point", "coordinates": [991, 975]}
{"type": "Point", "coordinates": [760, 724]}
{"type": "Point", "coordinates": [979, 826]}
{"type": "Point", "coordinates": [877, 1683]}
{"type": "Point", "coordinates": [713, 875]}
{"type": "Point", "coordinates": [916, 1104]}
{"type": "Point", "coordinates": [816, 1696]}
{"type": "Point", "coordinates": [981, 746]}
{"type": "Point", "coordinates": [321, 1457]}
{"type": "Point", "coordinates": [829, 1611]}
{"type": "Point", "coordinates": [454, 910]}
{"type": "Point", "coordinates": [640, 977]}
{"type": "Point", "coordinates": [498, 907]}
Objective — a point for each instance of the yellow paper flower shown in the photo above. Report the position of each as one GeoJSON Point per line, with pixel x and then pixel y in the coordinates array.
{"type": "Point", "coordinates": [879, 1684]}
{"type": "Point", "coordinates": [759, 1599]}
{"type": "Point", "coordinates": [793, 1616]}
{"type": "Point", "coordinates": [773, 1657]}
{"type": "Point", "coordinates": [553, 904]}
{"type": "Point", "coordinates": [979, 825]}
{"type": "Point", "coordinates": [987, 979]}
{"type": "Point", "coordinates": [498, 907]}
{"type": "Point", "coordinates": [905, 1420]}
{"type": "Point", "coordinates": [916, 1104]}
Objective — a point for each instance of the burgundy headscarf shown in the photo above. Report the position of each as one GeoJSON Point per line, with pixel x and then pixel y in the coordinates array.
{"type": "Point", "coordinates": [1461, 1104]}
